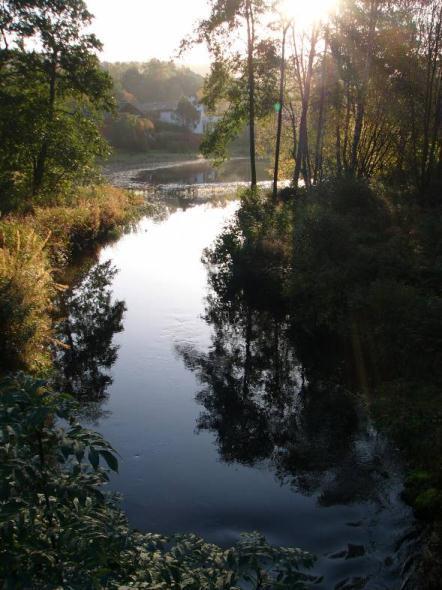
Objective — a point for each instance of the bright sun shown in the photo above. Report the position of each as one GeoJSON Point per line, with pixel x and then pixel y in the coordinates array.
{"type": "Point", "coordinates": [304, 13]}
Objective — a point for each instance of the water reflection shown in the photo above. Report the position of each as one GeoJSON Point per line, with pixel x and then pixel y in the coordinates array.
{"type": "Point", "coordinates": [268, 411]}
{"type": "Point", "coordinates": [262, 407]}
{"type": "Point", "coordinates": [193, 180]}
{"type": "Point", "coordinates": [87, 330]}
{"type": "Point", "coordinates": [163, 205]}
{"type": "Point", "coordinates": [202, 172]}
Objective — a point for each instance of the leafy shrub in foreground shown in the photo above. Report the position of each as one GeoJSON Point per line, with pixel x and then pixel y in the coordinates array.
{"type": "Point", "coordinates": [59, 529]}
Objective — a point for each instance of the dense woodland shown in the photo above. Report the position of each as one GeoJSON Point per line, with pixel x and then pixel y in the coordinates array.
{"type": "Point", "coordinates": [358, 94]}
{"type": "Point", "coordinates": [348, 256]}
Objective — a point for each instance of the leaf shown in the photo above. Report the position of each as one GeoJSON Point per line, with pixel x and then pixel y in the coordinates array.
{"type": "Point", "coordinates": [94, 458]}
{"type": "Point", "coordinates": [110, 459]}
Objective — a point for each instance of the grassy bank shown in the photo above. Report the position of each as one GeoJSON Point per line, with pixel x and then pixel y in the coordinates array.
{"type": "Point", "coordinates": [34, 249]}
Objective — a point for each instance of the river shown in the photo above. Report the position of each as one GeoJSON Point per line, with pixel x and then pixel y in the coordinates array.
{"type": "Point", "coordinates": [209, 411]}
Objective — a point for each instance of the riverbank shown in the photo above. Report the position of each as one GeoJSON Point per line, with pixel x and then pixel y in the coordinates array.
{"type": "Point", "coordinates": [35, 248]}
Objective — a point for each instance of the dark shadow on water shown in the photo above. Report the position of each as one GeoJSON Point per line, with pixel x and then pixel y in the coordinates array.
{"type": "Point", "coordinates": [263, 407]}
{"type": "Point", "coordinates": [91, 319]}
{"type": "Point", "coordinates": [268, 410]}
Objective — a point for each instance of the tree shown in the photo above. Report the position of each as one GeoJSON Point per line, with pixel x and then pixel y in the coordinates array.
{"type": "Point", "coordinates": [280, 106]}
{"type": "Point", "coordinates": [155, 80]}
{"type": "Point", "coordinates": [49, 66]}
{"type": "Point", "coordinates": [237, 69]}
{"type": "Point", "coordinates": [424, 99]}
{"type": "Point", "coordinates": [304, 76]}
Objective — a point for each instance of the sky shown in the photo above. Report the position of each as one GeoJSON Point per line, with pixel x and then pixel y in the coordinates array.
{"type": "Point", "coordinates": [138, 30]}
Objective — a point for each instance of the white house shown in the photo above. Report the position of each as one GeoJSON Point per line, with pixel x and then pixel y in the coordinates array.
{"type": "Point", "coordinates": [169, 115]}
{"type": "Point", "coordinates": [205, 120]}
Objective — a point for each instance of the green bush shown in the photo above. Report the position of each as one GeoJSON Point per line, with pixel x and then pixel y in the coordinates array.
{"type": "Point", "coordinates": [130, 132]}
{"type": "Point", "coordinates": [176, 141]}
{"type": "Point", "coordinates": [58, 527]}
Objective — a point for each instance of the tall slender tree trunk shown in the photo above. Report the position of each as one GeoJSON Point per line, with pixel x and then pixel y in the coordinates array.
{"type": "Point", "coordinates": [338, 148]}
{"type": "Point", "coordinates": [346, 128]}
{"type": "Point", "coordinates": [362, 92]}
{"type": "Point", "coordinates": [281, 106]}
{"type": "Point", "coordinates": [432, 102]}
{"type": "Point", "coordinates": [321, 117]}
{"type": "Point", "coordinates": [251, 85]}
{"type": "Point", "coordinates": [40, 161]}
{"type": "Point", "coordinates": [301, 155]}
{"type": "Point", "coordinates": [436, 132]}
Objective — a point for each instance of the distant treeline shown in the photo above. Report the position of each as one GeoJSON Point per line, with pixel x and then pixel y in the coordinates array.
{"type": "Point", "coordinates": [153, 81]}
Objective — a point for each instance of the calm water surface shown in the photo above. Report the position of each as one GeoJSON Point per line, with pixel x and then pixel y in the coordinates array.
{"type": "Point", "coordinates": [197, 177]}
{"type": "Point", "coordinates": [210, 415]}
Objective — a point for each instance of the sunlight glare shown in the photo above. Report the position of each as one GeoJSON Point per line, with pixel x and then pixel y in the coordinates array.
{"type": "Point", "coordinates": [305, 14]}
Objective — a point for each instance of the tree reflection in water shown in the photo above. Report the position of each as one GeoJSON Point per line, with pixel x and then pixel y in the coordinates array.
{"type": "Point", "coordinates": [263, 406]}
{"type": "Point", "coordinates": [91, 319]}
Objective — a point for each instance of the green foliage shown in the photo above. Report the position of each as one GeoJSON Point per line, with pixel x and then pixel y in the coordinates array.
{"type": "Point", "coordinates": [143, 88]}
{"type": "Point", "coordinates": [133, 133]}
{"type": "Point", "coordinates": [259, 232]}
{"type": "Point", "coordinates": [355, 269]}
{"type": "Point", "coordinates": [58, 528]}
{"type": "Point", "coordinates": [226, 88]}
{"type": "Point", "coordinates": [187, 113]}
{"type": "Point", "coordinates": [353, 266]}
{"type": "Point", "coordinates": [218, 139]}
{"type": "Point", "coordinates": [188, 562]}
{"type": "Point", "coordinates": [51, 100]}
{"type": "Point", "coordinates": [172, 139]}
{"type": "Point", "coordinates": [95, 214]}
{"type": "Point", "coordinates": [424, 493]}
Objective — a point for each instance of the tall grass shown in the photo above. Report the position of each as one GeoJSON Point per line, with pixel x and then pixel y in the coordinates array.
{"type": "Point", "coordinates": [97, 214]}
{"type": "Point", "coordinates": [33, 249]}
{"type": "Point", "coordinates": [26, 293]}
